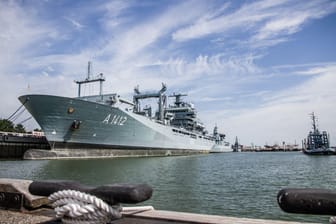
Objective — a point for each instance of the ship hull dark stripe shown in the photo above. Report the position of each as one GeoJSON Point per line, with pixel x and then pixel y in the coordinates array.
{"type": "Point", "coordinates": [79, 151]}
{"type": "Point", "coordinates": [62, 145]}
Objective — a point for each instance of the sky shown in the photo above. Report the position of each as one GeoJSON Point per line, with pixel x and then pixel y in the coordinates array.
{"type": "Point", "coordinates": [256, 69]}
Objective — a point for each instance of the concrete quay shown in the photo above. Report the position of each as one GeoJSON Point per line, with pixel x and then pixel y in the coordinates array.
{"type": "Point", "coordinates": [14, 145]}
{"type": "Point", "coordinates": [145, 217]}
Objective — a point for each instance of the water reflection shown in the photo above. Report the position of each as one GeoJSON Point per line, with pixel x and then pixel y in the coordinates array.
{"type": "Point", "coordinates": [234, 184]}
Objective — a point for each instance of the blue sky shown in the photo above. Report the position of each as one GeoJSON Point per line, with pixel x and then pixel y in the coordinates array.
{"type": "Point", "coordinates": [254, 68]}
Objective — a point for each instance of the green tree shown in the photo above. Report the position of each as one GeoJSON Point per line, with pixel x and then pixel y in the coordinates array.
{"type": "Point", "coordinates": [6, 125]}
{"type": "Point", "coordinates": [19, 128]}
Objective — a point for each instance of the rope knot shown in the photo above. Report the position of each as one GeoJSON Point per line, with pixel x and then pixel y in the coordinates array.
{"type": "Point", "coordinates": [78, 207]}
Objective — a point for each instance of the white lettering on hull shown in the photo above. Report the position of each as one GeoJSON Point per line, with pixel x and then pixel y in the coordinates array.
{"type": "Point", "coordinates": [115, 120]}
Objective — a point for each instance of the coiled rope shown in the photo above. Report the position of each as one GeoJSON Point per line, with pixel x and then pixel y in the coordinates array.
{"type": "Point", "coordinates": [78, 207]}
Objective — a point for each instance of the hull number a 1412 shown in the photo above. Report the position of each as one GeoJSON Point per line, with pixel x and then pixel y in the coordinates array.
{"type": "Point", "coordinates": [114, 119]}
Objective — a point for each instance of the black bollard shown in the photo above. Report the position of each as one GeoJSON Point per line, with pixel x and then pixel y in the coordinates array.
{"type": "Point", "coordinates": [111, 194]}
{"type": "Point", "coordinates": [307, 201]}
{"type": "Point", "coordinates": [123, 193]}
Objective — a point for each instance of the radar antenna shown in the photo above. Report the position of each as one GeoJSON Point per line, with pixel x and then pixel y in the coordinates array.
{"type": "Point", "coordinates": [136, 89]}
{"type": "Point", "coordinates": [178, 96]}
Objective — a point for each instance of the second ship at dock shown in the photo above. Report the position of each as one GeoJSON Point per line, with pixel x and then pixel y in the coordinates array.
{"type": "Point", "coordinates": [317, 143]}
{"type": "Point", "coordinates": [108, 125]}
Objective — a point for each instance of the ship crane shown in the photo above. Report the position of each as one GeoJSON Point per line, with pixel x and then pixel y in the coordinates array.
{"type": "Point", "coordinates": [160, 94]}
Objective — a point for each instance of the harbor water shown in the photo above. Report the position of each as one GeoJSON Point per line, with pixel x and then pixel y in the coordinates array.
{"type": "Point", "coordinates": [229, 184]}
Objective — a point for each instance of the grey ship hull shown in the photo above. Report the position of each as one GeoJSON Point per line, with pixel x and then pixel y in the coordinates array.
{"type": "Point", "coordinates": [320, 151]}
{"type": "Point", "coordinates": [103, 127]}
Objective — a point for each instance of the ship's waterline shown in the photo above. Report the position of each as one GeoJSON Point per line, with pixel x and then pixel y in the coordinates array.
{"type": "Point", "coordinates": [78, 153]}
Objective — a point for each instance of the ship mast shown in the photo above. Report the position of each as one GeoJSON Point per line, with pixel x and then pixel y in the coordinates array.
{"type": "Point", "coordinates": [178, 96]}
{"type": "Point", "coordinates": [100, 78]}
{"type": "Point", "coordinates": [314, 121]}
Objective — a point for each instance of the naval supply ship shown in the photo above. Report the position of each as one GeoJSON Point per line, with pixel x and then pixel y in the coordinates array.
{"type": "Point", "coordinates": [109, 125]}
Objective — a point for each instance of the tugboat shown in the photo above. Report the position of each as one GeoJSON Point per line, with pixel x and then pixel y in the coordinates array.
{"type": "Point", "coordinates": [236, 147]}
{"type": "Point", "coordinates": [317, 143]}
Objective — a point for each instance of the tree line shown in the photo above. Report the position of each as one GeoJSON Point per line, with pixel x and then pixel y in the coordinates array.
{"type": "Point", "coordinates": [9, 126]}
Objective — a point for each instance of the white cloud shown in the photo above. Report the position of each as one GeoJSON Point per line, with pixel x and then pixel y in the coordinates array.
{"type": "Point", "coordinates": [316, 70]}
{"type": "Point", "coordinates": [209, 75]}
{"type": "Point", "coordinates": [284, 116]}
{"type": "Point", "coordinates": [18, 32]}
{"type": "Point", "coordinates": [271, 21]}
{"type": "Point", "coordinates": [75, 23]}
{"type": "Point", "coordinates": [246, 16]}
{"type": "Point", "coordinates": [130, 42]}
{"type": "Point", "coordinates": [290, 19]}
{"type": "Point", "coordinates": [113, 14]}
{"type": "Point", "coordinates": [214, 65]}
{"type": "Point", "coordinates": [20, 70]}
{"type": "Point", "coordinates": [157, 49]}
{"type": "Point", "coordinates": [283, 26]}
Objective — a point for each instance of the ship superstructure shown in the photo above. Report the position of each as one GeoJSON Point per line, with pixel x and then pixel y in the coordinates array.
{"type": "Point", "coordinates": [103, 122]}
{"type": "Point", "coordinates": [317, 143]}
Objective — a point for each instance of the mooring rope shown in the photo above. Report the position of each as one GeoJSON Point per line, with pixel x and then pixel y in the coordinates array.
{"type": "Point", "coordinates": [11, 116]}
{"type": "Point", "coordinates": [17, 115]}
{"type": "Point", "coordinates": [78, 207]}
{"type": "Point", "coordinates": [25, 120]}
